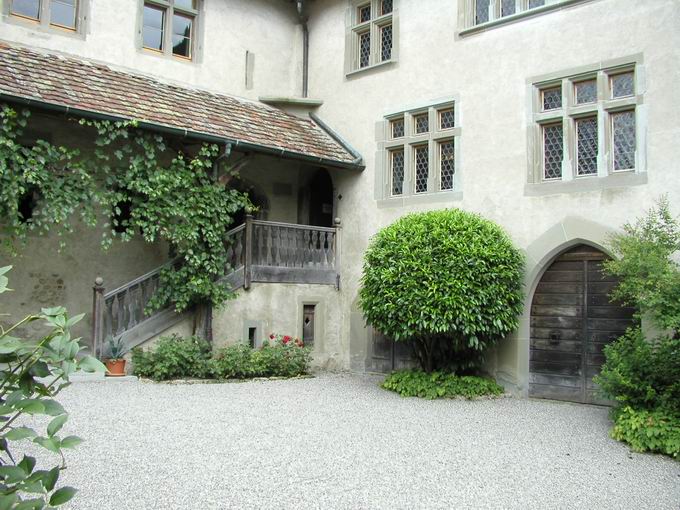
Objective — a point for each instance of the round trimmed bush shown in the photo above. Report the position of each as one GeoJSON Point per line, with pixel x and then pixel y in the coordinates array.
{"type": "Point", "coordinates": [450, 281]}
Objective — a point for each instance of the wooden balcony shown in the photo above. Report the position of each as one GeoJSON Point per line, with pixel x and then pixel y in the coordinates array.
{"type": "Point", "coordinates": [259, 251]}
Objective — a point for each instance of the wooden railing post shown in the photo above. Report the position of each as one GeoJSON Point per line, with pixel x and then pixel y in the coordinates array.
{"type": "Point", "coordinates": [248, 256]}
{"type": "Point", "coordinates": [97, 316]}
{"type": "Point", "coordinates": [338, 240]}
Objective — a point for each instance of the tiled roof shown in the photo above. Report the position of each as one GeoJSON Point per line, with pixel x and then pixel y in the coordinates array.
{"type": "Point", "coordinates": [95, 87]}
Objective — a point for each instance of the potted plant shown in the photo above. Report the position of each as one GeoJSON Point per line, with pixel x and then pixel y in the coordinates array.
{"type": "Point", "coordinates": [115, 363]}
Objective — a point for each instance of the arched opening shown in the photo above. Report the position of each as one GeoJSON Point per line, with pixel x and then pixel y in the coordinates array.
{"type": "Point", "coordinates": [321, 199]}
{"type": "Point", "coordinates": [572, 320]}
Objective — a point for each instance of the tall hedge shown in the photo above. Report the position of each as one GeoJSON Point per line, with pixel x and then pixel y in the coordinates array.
{"type": "Point", "coordinates": [450, 281]}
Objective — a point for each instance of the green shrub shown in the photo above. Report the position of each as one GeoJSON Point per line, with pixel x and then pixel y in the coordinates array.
{"type": "Point", "coordinates": [449, 280]}
{"type": "Point", "coordinates": [233, 362]}
{"type": "Point", "coordinates": [416, 383]}
{"type": "Point", "coordinates": [649, 274]}
{"type": "Point", "coordinates": [174, 358]}
{"type": "Point", "coordinates": [642, 374]}
{"type": "Point", "coordinates": [644, 430]}
{"type": "Point", "coordinates": [281, 356]}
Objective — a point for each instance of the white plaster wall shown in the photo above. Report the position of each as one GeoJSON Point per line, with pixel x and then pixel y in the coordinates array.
{"type": "Point", "coordinates": [489, 72]}
{"type": "Point", "coordinates": [278, 308]}
{"type": "Point", "coordinates": [266, 28]}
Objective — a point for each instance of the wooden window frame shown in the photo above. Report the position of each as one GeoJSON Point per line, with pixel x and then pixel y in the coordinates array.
{"type": "Point", "coordinates": [170, 9]}
{"type": "Point", "coordinates": [44, 23]}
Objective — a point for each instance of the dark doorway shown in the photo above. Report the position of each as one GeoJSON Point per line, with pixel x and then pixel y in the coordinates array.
{"type": "Point", "coordinates": [257, 198]}
{"type": "Point", "coordinates": [321, 199]}
{"type": "Point", "coordinates": [572, 320]}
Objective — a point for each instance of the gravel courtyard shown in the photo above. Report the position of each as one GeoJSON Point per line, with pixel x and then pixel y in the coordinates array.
{"type": "Point", "coordinates": [339, 441]}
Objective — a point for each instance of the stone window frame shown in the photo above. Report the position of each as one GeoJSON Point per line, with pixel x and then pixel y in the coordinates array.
{"type": "Point", "coordinates": [467, 16]}
{"type": "Point", "coordinates": [603, 109]}
{"type": "Point", "coordinates": [435, 136]}
{"type": "Point", "coordinates": [354, 29]}
{"type": "Point", "coordinates": [43, 24]}
{"type": "Point", "coordinates": [169, 5]}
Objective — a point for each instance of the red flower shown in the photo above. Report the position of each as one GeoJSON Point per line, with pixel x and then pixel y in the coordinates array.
{"type": "Point", "coordinates": [272, 336]}
{"type": "Point", "coordinates": [287, 338]}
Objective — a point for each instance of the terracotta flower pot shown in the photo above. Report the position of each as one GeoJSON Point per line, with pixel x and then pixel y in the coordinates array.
{"type": "Point", "coordinates": [115, 367]}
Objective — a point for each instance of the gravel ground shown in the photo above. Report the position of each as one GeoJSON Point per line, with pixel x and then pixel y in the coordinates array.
{"type": "Point", "coordinates": [339, 441]}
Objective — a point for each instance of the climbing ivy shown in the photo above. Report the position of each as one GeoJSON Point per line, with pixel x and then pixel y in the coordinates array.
{"type": "Point", "coordinates": [134, 182]}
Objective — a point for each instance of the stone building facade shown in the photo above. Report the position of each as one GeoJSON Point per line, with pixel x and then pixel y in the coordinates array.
{"type": "Point", "coordinates": [557, 119]}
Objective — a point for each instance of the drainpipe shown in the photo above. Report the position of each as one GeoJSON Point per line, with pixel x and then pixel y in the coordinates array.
{"type": "Point", "coordinates": [305, 47]}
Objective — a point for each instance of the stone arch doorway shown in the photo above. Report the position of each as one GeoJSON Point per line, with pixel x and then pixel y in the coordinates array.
{"type": "Point", "coordinates": [572, 319]}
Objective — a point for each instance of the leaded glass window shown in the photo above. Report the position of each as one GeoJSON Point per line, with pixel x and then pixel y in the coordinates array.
{"type": "Point", "coordinates": [553, 151]}
{"type": "Point", "coordinates": [623, 84]}
{"type": "Point", "coordinates": [552, 98]}
{"type": "Point", "coordinates": [508, 7]}
{"type": "Point", "coordinates": [623, 134]}
{"type": "Point", "coordinates": [422, 167]}
{"type": "Point", "coordinates": [397, 171]}
{"type": "Point", "coordinates": [397, 127]}
{"type": "Point", "coordinates": [364, 13]}
{"type": "Point", "coordinates": [386, 43]}
{"type": "Point", "coordinates": [364, 49]}
{"type": "Point", "coordinates": [447, 119]}
{"type": "Point", "coordinates": [422, 123]}
{"type": "Point", "coordinates": [447, 166]}
{"type": "Point", "coordinates": [481, 11]}
{"type": "Point", "coordinates": [586, 146]}
{"type": "Point", "coordinates": [595, 139]}
{"type": "Point", "coordinates": [586, 91]}
{"type": "Point", "coordinates": [374, 39]}
{"type": "Point", "coordinates": [419, 150]}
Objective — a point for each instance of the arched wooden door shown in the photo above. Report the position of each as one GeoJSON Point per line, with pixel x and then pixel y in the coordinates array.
{"type": "Point", "coordinates": [572, 319]}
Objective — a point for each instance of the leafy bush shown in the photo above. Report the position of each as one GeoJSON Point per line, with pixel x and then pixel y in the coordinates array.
{"type": "Point", "coordinates": [642, 374]}
{"type": "Point", "coordinates": [233, 362]}
{"type": "Point", "coordinates": [649, 275]}
{"type": "Point", "coordinates": [33, 373]}
{"type": "Point", "coordinates": [416, 383]}
{"type": "Point", "coordinates": [449, 280]}
{"type": "Point", "coordinates": [645, 430]}
{"type": "Point", "coordinates": [281, 356]}
{"type": "Point", "coordinates": [174, 358]}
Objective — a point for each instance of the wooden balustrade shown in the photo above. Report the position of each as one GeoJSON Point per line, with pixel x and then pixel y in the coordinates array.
{"type": "Point", "coordinates": [259, 251]}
